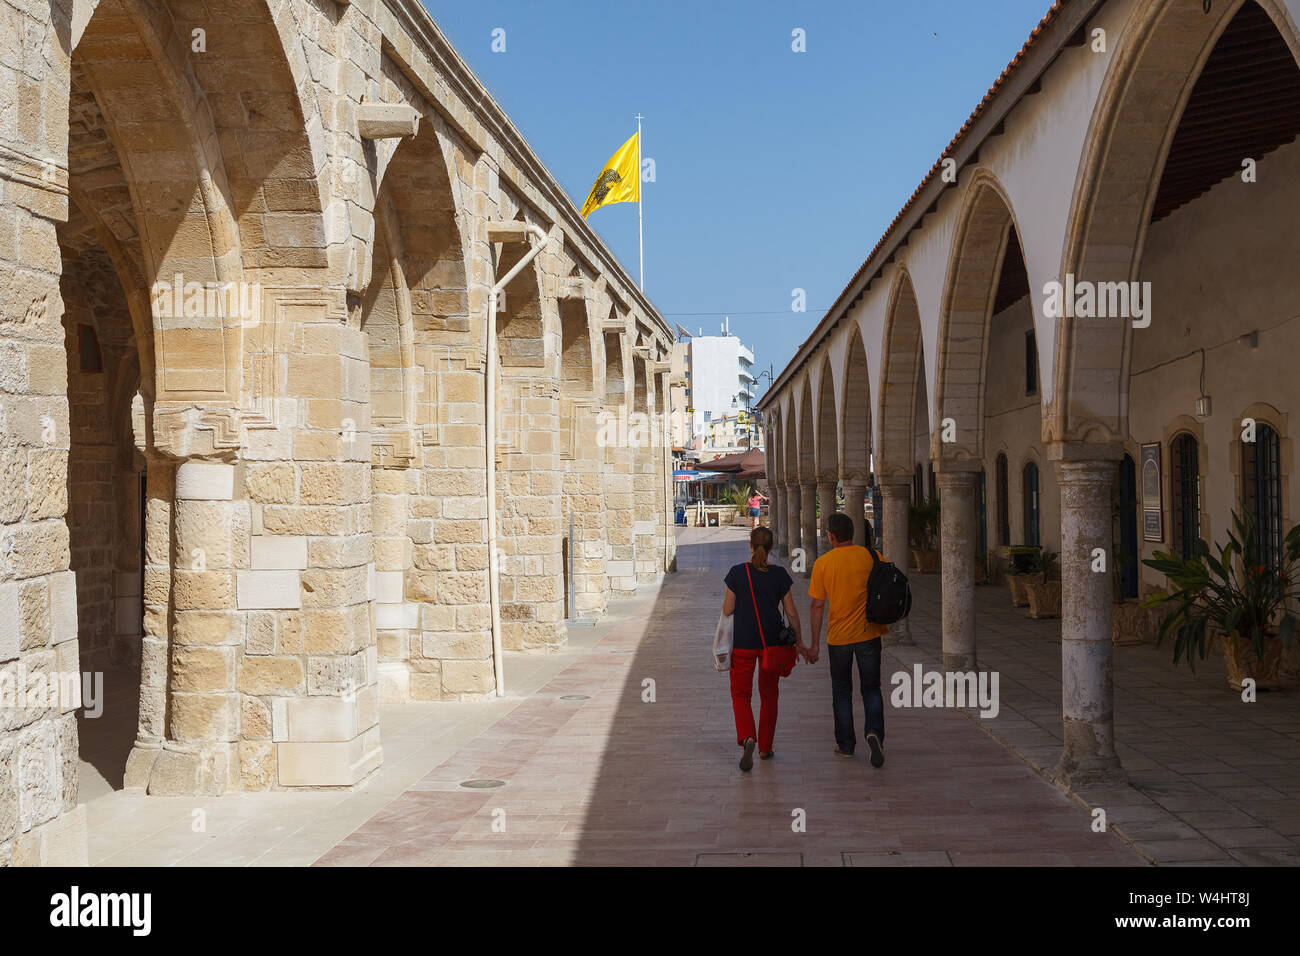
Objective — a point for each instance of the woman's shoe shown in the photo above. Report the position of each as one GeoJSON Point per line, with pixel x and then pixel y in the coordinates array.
{"type": "Point", "coordinates": [747, 760]}
{"type": "Point", "coordinates": [765, 755]}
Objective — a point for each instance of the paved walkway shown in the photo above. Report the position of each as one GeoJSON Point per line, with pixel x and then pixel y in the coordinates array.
{"type": "Point", "coordinates": [1214, 780]}
{"type": "Point", "coordinates": [607, 777]}
{"type": "Point", "coordinates": [628, 756]}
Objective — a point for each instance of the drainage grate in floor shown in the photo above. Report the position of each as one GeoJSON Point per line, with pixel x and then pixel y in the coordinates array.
{"type": "Point", "coordinates": [759, 858]}
{"type": "Point", "coordinates": [575, 697]}
{"type": "Point", "coordinates": [482, 784]}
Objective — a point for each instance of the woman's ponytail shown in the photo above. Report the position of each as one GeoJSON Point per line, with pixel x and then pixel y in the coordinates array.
{"type": "Point", "coordinates": [760, 541]}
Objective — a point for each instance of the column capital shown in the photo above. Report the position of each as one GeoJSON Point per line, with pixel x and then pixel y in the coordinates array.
{"type": "Point", "coordinates": [1076, 471]}
{"type": "Point", "coordinates": [957, 465]}
{"type": "Point", "coordinates": [1084, 451]}
{"type": "Point", "coordinates": [955, 480]}
{"type": "Point", "coordinates": [892, 485]}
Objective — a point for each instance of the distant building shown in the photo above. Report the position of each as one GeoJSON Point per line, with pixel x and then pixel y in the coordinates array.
{"type": "Point", "coordinates": [713, 411]}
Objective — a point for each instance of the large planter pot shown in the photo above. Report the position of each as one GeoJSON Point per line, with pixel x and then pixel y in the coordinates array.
{"type": "Point", "coordinates": [1276, 670]}
{"type": "Point", "coordinates": [1131, 623]}
{"type": "Point", "coordinates": [1044, 598]}
{"type": "Point", "coordinates": [1016, 585]}
{"type": "Point", "coordinates": [926, 562]}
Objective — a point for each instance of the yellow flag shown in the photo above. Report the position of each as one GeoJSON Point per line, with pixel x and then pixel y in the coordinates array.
{"type": "Point", "coordinates": [619, 180]}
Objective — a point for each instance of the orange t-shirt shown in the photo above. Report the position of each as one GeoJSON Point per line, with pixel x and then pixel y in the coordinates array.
{"type": "Point", "coordinates": [839, 577]}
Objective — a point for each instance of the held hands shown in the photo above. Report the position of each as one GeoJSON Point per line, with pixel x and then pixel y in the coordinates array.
{"type": "Point", "coordinates": [809, 653]}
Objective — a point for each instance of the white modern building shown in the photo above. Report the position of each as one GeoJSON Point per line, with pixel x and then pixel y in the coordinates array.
{"type": "Point", "coordinates": [715, 414]}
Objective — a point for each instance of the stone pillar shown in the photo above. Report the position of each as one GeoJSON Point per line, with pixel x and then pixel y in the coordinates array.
{"type": "Point", "coordinates": [779, 529]}
{"type": "Point", "coordinates": [793, 515]}
{"type": "Point", "coordinates": [155, 652]}
{"type": "Point", "coordinates": [896, 494]}
{"type": "Point", "coordinates": [1088, 757]}
{"type": "Point", "coordinates": [826, 508]}
{"type": "Point", "coordinates": [210, 536]}
{"type": "Point", "coordinates": [808, 524]}
{"type": "Point", "coordinates": [957, 549]}
{"type": "Point", "coordinates": [855, 500]}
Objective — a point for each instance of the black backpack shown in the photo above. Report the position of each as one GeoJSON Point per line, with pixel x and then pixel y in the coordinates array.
{"type": "Point", "coordinates": [889, 598]}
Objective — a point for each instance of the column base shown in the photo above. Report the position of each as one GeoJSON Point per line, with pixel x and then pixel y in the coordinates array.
{"type": "Point", "coordinates": [1085, 762]}
{"type": "Point", "coordinates": [174, 771]}
{"type": "Point", "coordinates": [954, 663]}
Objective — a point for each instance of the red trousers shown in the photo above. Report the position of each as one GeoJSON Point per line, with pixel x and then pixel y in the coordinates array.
{"type": "Point", "coordinates": [743, 663]}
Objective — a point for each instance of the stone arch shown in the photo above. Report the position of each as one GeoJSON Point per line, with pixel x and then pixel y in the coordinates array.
{"type": "Point", "coordinates": [521, 324]}
{"type": "Point", "coordinates": [902, 387]}
{"type": "Point", "coordinates": [387, 321]}
{"type": "Point", "coordinates": [790, 438]}
{"type": "Point", "coordinates": [855, 416]}
{"type": "Point", "coordinates": [827, 433]}
{"type": "Point", "coordinates": [160, 187]}
{"type": "Point", "coordinates": [985, 242]}
{"type": "Point", "coordinates": [1156, 65]}
{"type": "Point", "coordinates": [807, 446]}
{"type": "Point", "coordinates": [417, 191]}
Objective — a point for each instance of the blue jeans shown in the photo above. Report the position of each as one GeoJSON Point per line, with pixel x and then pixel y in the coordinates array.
{"type": "Point", "coordinates": [867, 654]}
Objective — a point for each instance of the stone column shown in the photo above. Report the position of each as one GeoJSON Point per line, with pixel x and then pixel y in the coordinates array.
{"type": "Point", "coordinates": [957, 549]}
{"type": "Point", "coordinates": [1088, 757]}
{"type": "Point", "coordinates": [808, 524]}
{"type": "Point", "coordinates": [826, 501]}
{"type": "Point", "coordinates": [793, 515]}
{"type": "Point", "coordinates": [779, 530]}
{"type": "Point", "coordinates": [156, 581]}
{"type": "Point", "coordinates": [855, 499]}
{"type": "Point", "coordinates": [210, 535]}
{"type": "Point", "coordinates": [896, 495]}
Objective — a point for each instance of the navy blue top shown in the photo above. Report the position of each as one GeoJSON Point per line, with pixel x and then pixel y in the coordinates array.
{"type": "Point", "coordinates": [771, 584]}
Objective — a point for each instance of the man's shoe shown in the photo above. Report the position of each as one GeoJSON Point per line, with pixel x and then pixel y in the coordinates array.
{"type": "Point", "coordinates": [747, 760]}
{"type": "Point", "coordinates": [841, 753]}
{"type": "Point", "coordinates": [877, 750]}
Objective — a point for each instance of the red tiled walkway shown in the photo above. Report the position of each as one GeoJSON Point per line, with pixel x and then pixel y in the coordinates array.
{"type": "Point", "coordinates": [615, 779]}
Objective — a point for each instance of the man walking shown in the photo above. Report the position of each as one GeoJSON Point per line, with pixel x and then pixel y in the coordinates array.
{"type": "Point", "coordinates": [839, 582]}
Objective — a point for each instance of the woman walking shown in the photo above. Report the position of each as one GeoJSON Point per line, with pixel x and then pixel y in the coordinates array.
{"type": "Point", "coordinates": [756, 593]}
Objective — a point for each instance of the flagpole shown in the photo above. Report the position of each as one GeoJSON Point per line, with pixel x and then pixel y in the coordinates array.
{"type": "Point", "coordinates": [640, 229]}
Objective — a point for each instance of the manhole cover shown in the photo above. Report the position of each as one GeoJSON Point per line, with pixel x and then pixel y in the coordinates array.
{"type": "Point", "coordinates": [575, 697]}
{"type": "Point", "coordinates": [759, 858]}
{"type": "Point", "coordinates": [482, 784]}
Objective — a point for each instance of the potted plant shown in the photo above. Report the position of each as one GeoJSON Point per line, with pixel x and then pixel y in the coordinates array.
{"type": "Point", "coordinates": [1236, 597]}
{"type": "Point", "coordinates": [738, 496]}
{"type": "Point", "coordinates": [1043, 586]}
{"type": "Point", "coordinates": [923, 530]}
{"type": "Point", "coordinates": [1020, 562]}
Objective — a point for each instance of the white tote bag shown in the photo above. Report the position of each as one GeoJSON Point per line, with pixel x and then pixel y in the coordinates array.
{"type": "Point", "coordinates": [722, 639]}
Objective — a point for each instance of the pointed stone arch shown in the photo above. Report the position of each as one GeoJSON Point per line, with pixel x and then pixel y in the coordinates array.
{"type": "Point", "coordinates": [827, 428]}
{"type": "Point", "coordinates": [985, 237]}
{"type": "Point", "coordinates": [855, 414]}
{"type": "Point", "coordinates": [902, 381]}
{"type": "Point", "coordinates": [806, 426]}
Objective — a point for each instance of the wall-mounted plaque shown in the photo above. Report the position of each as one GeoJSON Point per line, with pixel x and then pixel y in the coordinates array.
{"type": "Point", "coordinates": [1153, 526]}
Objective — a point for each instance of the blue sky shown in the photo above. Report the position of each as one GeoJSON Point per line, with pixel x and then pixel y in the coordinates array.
{"type": "Point", "coordinates": [776, 170]}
